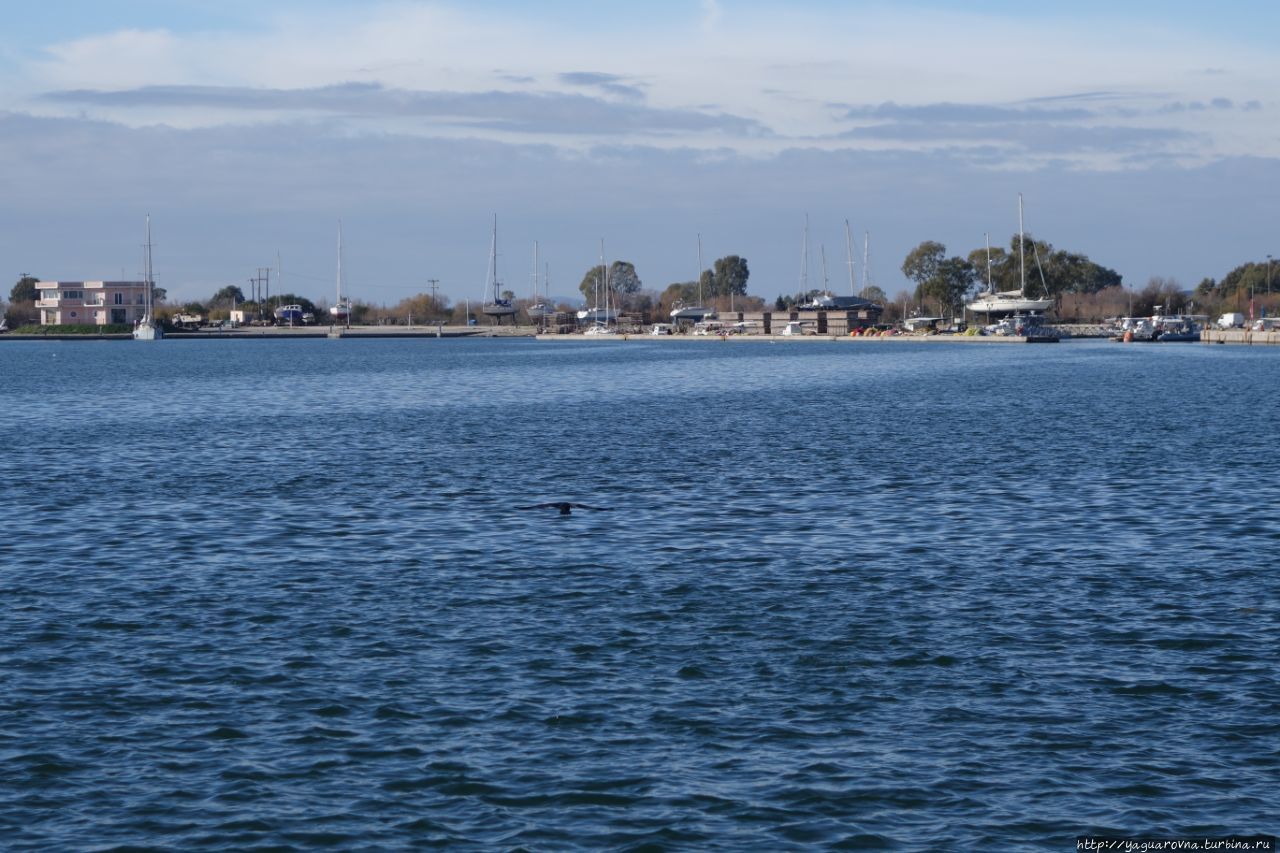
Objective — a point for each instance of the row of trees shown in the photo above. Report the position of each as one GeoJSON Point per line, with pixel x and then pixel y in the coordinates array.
{"type": "Point", "coordinates": [947, 282]}
{"type": "Point", "coordinates": [1084, 290]}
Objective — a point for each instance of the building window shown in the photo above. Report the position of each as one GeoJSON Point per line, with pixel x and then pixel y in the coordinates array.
{"type": "Point", "coordinates": [119, 298]}
{"type": "Point", "coordinates": [73, 294]}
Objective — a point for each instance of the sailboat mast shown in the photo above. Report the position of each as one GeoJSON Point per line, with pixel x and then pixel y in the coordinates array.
{"type": "Point", "coordinates": [535, 271]}
{"type": "Point", "coordinates": [866, 259]}
{"type": "Point", "coordinates": [1022, 253]}
{"type": "Point", "coordinates": [990, 287]}
{"type": "Point", "coordinates": [699, 270]}
{"type": "Point", "coordinates": [493, 258]}
{"type": "Point", "coordinates": [146, 274]}
{"type": "Point", "coordinates": [822, 252]}
{"type": "Point", "coordinates": [604, 272]}
{"type": "Point", "coordinates": [848, 251]}
{"type": "Point", "coordinates": [804, 258]}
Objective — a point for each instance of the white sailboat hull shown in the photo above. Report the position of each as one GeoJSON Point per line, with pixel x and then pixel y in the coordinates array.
{"type": "Point", "coordinates": [998, 303]}
{"type": "Point", "coordinates": [147, 331]}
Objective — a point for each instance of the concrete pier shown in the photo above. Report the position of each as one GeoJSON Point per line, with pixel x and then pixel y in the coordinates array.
{"type": "Point", "coordinates": [1240, 336]}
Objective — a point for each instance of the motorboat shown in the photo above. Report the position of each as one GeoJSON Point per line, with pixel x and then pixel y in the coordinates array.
{"type": "Point", "coordinates": [288, 315]}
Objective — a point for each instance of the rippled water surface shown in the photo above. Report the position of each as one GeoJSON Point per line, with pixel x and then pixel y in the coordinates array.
{"type": "Point", "coordinates": [935, 597]}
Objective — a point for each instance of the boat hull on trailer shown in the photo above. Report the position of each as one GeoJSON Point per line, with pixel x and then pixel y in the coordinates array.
{"type": "Point", "coordinates": [999, 303]}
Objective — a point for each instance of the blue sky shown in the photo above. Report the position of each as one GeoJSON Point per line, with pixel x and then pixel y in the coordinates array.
{"type": "Point", "coordinates": [1144, 136]}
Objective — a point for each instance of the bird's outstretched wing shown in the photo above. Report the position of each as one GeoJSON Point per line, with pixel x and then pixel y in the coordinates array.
{"type": "Point", "coordinates": [594, 508]}
{"type": "Point", "coordinates": [540, 506]}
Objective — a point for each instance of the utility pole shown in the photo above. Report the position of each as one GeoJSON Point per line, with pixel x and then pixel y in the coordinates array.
{"type": "Point", "coordinates": [265, 274]}
{"type": "Point", "coordinates": [261, 287]}
{"type": "Point", "coordinates": [434, 284]}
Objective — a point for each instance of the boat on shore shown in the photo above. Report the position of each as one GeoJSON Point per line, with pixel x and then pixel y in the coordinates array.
{"type": "Point", "coordinates": [1011, 301]}
{"type": "Point", "coordinates": [496, 307]}
{"type": "Point", "coordinates": [340, 311]}
{"type": "Point", "coordinates": [147, 329]}
{"type": "Point", "coordinates": [288, 315]}
{"type": "Point", "coordinates": [539, 308]}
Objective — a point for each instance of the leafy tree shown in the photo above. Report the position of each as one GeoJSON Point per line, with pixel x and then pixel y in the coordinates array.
{"type": "Point", "coordinates": [158, 294]}
{"type": "Point", "coordinates": [231, 294]}
{"type": "Point", "coordinates": [730, 276]}
{"type": "Point", "coordinates": [592, 279]}
{"type": "Point", "coordinates": [871, 293]}
{"type": "Point", "coordinates": [937, 277]}
{"type": "Point", "coordinates": [25, 290]}
{"type": "Point", "coordinates": [1248, 278]}
{"type": "Point", "coordinates": [1053, 270]}
{"type": "Point", "coordinates": [622, 278]}
{"type": "Point", "coordinates": [193, 308]}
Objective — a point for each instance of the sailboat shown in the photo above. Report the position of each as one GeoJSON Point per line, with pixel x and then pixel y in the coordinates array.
{"type": "Point", "coordinates": [538, 309]}
{"type": "Point", "coordinates": [340, 311]}
{"type": "Point", "coordinates": [601, 326]}
{"type": "Point", "coordinates": [692, 313]}
{"type": "Point", "coordinates": [1011, 301]}
{"type": "Point", "coordinates": [147, 328]}
{"type": "Point", "coordinates": [496, 307]}
{"type": "Point", "coordinates": [827, 300]}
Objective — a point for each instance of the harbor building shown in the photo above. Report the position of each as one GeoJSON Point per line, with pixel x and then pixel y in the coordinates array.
{"type": "Point", "coordinates": [91, 303]}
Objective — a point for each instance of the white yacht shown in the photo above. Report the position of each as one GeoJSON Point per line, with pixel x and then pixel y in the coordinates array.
{"type": "Point", "coordinates": [147, 328]}
{"type": "Point", "coordinates": [1010, 301]}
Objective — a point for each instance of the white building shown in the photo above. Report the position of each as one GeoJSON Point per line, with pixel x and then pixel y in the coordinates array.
{"type": "Point", "coordinates": [90, 303]}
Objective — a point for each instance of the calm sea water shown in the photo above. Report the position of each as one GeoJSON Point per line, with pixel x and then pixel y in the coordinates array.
{"type": "Point", "coordinates": [277, 594]}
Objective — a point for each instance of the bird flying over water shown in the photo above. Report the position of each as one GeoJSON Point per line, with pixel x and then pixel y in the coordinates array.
{"type": "Point", "coordinates": [565, 507]}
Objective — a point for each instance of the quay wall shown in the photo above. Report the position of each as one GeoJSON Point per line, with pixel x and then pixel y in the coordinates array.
{"type": "Point", "coordinates": [1240, 336]}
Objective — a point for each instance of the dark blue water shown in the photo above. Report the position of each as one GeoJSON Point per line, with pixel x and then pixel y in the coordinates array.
{"type": "Point", "coordinates": [923, 597]}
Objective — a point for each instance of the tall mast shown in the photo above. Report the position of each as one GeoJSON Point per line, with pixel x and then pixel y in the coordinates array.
{"type": "Point", "coordinates": [1022, 253]}
{"type": "Point", "coordinates": [822, 252]}
{"type": "Point", "coordinates": [146, 274]}
{"type": "Point", "coordinates": [990, 287]}
{"type": "Point", "coordinates": [700, 271]}
{"type": "Point", "coordinates": [804, 258]}
{"type": "Point", "coordinates": [604, 271]}
{"type": "Point", "coordinates": [848, 251]}
{"type": "Point", "coordinates": [535, 271]}
{"type": "Point", "coordinates": [493, 258]}
{"type": "Point", "coordinates": [866, 259]}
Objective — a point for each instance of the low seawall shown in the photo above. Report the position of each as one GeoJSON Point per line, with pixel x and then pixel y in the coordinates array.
{"type": "Point", "coordinates": [1240, 336]}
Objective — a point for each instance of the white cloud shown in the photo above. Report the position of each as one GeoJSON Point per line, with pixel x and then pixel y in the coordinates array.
{"type": "Point", "coordinates": [739, 65]}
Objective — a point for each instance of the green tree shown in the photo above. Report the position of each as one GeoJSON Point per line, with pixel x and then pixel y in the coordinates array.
{"type": "Point", "coordinates": [730, 276]}
{"type": "Point", "coordinates": [229, 295]}
{"type": "Point", "coordinates": [623, 278]}
{"type": "Point", "coordinates": [871, 293]}
{"type": "Point", "coordinates": [939, 278]}
{"type": "Point", "coordinates": [1246, 279]}
{"type": "Point", "coordinates": [1054, 271]}
{"type": "Point", "coordinates": [25, 290]}
{"type": "Point", "coordinates": [592, 282]}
